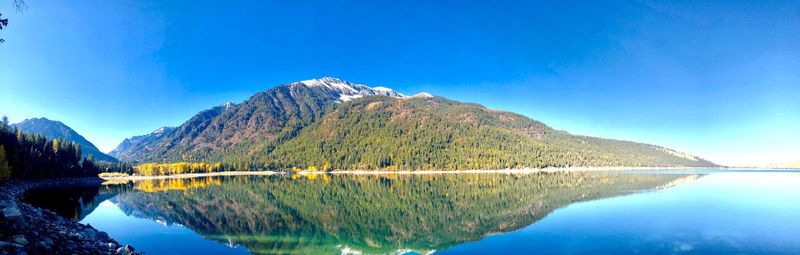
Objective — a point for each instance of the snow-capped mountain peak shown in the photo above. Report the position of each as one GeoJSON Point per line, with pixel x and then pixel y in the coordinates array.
{"type": "Point", "coordinates": [347, 91]}
{"type": "Point", "coordinates": [161, 130]}
{"type": "Point", "coordinates": [330, 82]}
{"type": "Point", "coordinates": [379, 88]}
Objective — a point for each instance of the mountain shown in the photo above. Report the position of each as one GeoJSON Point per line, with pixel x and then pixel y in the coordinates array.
{"type": "Point", "coordinates": [352, 126]}
{"type": "Point", "coordinates": [263, 121]}
{"type": "Point", "coordinates": [128, 148]}
{"type": "Point", "coordinates": [784, 165]}
{"type": "Point", "coordinates": [55, 129]}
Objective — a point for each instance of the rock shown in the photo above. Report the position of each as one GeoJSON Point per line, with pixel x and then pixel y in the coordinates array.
{"type": "Point", "coordinates": [121, 251]}
{"type": "Point", "coordinates": [20, 239]}
{"type": "Point", "coordinates": [48, 241]}
{"type": "Point", "coordinates": [102, 235]}
{"type": "Point", "coordinates": [12, 214]}
{"type": "Point", "coordinates": [112, 245]}
{"type": "Point", "coordinates": [12, 211]}
{"type": "Point", "coordinates": [5, 203]}
{"type": "Point", "coordinates": [89, 233]}
{"type": "Point", "coordinates": [125, 250]}
{"type": "Point", "coordinates": [7, 244]}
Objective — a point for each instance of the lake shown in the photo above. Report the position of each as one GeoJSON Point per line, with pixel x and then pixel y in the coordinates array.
{"type": "Point", "coordinates": [631, 212]}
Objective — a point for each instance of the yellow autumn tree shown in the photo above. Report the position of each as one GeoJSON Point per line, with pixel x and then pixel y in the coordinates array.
{"type": "Point", "coordinates": [150, 169]}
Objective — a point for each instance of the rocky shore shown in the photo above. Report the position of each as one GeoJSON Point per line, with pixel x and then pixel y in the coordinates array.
{"type": "Point", "coordinates": [25, 229]}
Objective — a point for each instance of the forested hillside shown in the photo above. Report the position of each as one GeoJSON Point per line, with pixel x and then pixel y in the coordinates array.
{"type": "Point", "coordinates": [332, 124]}
{"type": "Point", "coordinates": [27, 156]}
{"type": "Point", "coordinates": [52, 129]}
{"type": "Point", "coordinates": [435, 133]}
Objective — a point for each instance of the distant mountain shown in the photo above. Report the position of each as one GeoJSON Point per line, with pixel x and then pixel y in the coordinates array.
{"type": "Point", "coordinates": [128, 148]}
{"type": "Point", "coordinates": [55, 129]}
{"type": "Point", "coordinates": [354, 126]}
{"type": "Point", "coordinates": [785, 165]}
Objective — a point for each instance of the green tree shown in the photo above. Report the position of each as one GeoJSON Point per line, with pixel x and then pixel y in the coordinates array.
{"type": "Point", "coordinates": [88, 165]}
{"type": "Point", "coordinates": [5, 169]}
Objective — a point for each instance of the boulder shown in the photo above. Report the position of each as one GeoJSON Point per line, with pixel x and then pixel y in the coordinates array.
{"type": "Point", "coordinates": [3, 245]}
{"type": "Point", "coordinates": [89, 233]}
{"type": "Point", "coordinates": [20, 239]}
{"type": "Point", "coordinates": [129, 248]}
{"type": "Point", "coordinates": [48, 241]}
{"type": "Point", "coordinates": [125, 250]}
{"type": "Point", "coordinates": [12, 215]}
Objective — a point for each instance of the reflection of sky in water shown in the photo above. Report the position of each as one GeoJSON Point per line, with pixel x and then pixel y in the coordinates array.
{"type": "Point", "coordinates": [151, 236]}
{"type": "Point", "coordinates": [719, 213]}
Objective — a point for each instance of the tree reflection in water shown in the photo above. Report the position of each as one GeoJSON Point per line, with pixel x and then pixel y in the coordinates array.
{"type": "Point", "coordinates": [367, 213]}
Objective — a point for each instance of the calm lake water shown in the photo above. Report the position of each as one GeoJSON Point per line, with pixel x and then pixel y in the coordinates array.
{"type": "Point", "coordinates": [666, 212]}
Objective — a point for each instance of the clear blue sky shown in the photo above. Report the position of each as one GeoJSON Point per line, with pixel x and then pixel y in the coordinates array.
{"type": "Point", "coordinates": [720, 79]}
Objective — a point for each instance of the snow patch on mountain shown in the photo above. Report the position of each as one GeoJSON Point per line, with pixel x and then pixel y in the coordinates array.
{"type": "Point", "coordinates": [161, 130]}
{"type": "Point", "coordinates": [347, 91]}
{"type": "Point", "coordinates": [422, 95]}
{"type": "Point", "coordinates": [228, 105]}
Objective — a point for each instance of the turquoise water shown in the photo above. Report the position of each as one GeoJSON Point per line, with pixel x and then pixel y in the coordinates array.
{"type": "Point", "coordinates": [635, 212]}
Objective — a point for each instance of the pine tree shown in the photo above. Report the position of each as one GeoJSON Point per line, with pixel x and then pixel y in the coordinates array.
{"type": "Point", "coordinates": [88, 165]}
{"type": "Point", "coordinates": [5, 169]}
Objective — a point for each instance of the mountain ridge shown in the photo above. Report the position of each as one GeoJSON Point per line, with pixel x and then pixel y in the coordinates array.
{"type": "Point", "coordinates": [52, 129]}
{"type": "Point", "coordinates": [342, 125]}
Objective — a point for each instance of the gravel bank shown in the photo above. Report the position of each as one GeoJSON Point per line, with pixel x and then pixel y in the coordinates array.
{"type": "Point", "coordinates": [25, 229]}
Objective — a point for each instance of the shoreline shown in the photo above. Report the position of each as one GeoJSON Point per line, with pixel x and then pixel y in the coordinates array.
{"type": "Point", "coordinates": [182, 176]}
{"type": "Point", "coordinates": [26, 229]}
{"type": "Point", "coordinates": [424, 172]}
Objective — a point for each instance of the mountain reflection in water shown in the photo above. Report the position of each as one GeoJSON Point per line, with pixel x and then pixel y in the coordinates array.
{"type": "Point", "coordinates": [371, 214]}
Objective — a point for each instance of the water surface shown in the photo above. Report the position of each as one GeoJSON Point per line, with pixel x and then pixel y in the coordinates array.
{"type": "Point", "coordinates": [631, 212]}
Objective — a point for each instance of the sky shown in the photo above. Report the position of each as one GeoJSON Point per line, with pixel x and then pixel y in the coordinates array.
{"type": "Point", "coordinates": [718, 79]}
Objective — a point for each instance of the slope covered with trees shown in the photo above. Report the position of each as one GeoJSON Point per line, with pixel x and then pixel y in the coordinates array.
{"type": "Point", "coordinates": [52, 129]}
{"type": "Point", "coordinates": [32, 156]}
{"type": "Point", "coordinates": [327, 124]}
{"type": "Point", "coordinates": [435, 133]}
